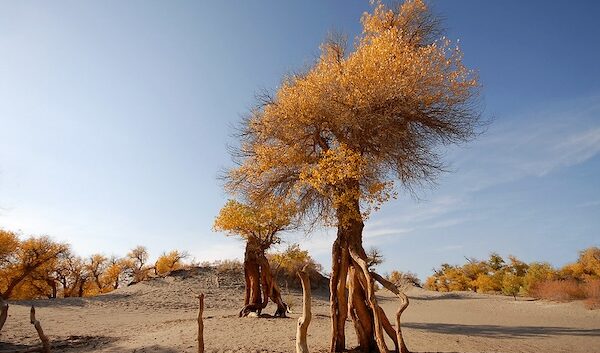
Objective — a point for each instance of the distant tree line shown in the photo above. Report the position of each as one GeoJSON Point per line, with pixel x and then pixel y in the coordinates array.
{"type": "Point", "coordinates": [577, 280]}
{"type": "Point", "coordinates": [39, 267]}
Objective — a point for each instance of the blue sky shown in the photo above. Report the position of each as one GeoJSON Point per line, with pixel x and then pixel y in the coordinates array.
{"type": "Point", "coordinates": [114, 120]}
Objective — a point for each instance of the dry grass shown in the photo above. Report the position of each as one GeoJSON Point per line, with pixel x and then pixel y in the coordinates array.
{"type": "Point", "coordinates": [592, 293]}
{"type": "Point", "coordinates": [566, 290]}
{"type": "Point", "coordinates": [228, 266]}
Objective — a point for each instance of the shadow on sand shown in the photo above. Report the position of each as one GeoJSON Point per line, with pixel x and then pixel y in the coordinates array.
{"type": "Point", "coordinates": [444, 297]}
{"type": "Point", "coordinates": [68, 344]}
{"type": "Point", "coordinates": [496, 331]}
{"type": "Point", "coordinates": [70, 301]}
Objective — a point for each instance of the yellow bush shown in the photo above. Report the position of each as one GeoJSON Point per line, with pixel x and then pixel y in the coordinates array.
{"type": "Point", "coordinates": [170, 261]}
{"type": "Point", "coordinates": [484, 283]}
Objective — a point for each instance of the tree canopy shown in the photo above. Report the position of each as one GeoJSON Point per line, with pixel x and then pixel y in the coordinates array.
{"type": "Point", "coordinates": [357, 121]}
{"type": "Point", "coordinates": [261, 222]}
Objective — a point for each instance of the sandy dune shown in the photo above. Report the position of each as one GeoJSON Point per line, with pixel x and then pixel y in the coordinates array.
{"type": "Point", "coordinates": [159, 316]}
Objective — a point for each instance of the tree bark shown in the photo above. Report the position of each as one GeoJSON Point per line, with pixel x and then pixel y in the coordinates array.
{"type": "Point", "coordinates": [53, 286]}
{"type": "Point", "coordinates": [260, 283]}
{"type": "Point", "coordinates": [13, 284]}
{"type": "Point", "coordinates": [338, 298]}
{"type": "Point", "coordinates": [350, 271]}
{"type": "Point", "coordinates": [304, 320]}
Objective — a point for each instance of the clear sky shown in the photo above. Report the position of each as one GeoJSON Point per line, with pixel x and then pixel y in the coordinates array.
{"type": "Point", "coordinates": [115, 116]}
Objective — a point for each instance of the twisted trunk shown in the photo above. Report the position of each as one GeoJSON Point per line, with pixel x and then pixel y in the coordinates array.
{"type": "Point", "coordinates": [352, 290]}
{"type": "Point", "coordinates": [260, 284]}
{"type": "Point", "coordinates": [13, 284]}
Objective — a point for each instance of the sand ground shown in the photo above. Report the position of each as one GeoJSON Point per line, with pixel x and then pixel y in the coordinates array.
{"type": "Point", "coordinates": [160, 316]}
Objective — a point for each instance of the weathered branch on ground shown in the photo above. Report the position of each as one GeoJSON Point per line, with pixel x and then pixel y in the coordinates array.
{"type": "Point", "coordinates": [200, 323]}
{"type": "Point", "coordinates": [304, 320]}
{"type": "Point", "coordinates": [3, 312]}
{"type": "Point", "coordinates": [403, 305]}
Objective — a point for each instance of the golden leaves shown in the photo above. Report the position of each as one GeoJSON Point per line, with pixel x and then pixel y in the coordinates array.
{"type": "Point", "coordinates": [335, 168]}
{"type": "Point", "coordinates": [170, 261]}
{"type": "Point", "coordinates": [261, 221]}
{"type": "Point", "coordinates": [363, 119]}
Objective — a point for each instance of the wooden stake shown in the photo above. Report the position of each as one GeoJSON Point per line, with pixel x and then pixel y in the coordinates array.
{"type": "Point", "coordinates": [200, 323]}
{"type": "Point", "coordinates": [38, 327]}
{"type": "Point", "coordinates": [3, 312]}
{"type": "Point", "coordinates": [304, 320]}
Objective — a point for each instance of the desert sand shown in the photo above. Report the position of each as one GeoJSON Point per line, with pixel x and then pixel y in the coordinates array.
{"type": "Point", "coordinates": [159, 315]}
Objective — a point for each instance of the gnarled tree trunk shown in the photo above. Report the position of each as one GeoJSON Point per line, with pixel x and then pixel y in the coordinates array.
{"type": "Point", "coordinates": [260, 284]}
{"type": "Point", "coordinates": [352, 290]}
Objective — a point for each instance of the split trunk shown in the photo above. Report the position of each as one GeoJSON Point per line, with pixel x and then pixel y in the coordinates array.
{"type": "Point", "coordinates": [352, 291]}
{"type": "Point", "coordinates": [260, 284]}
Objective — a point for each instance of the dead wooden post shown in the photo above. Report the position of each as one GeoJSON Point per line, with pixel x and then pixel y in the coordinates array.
{"type": "Point", "coordinates": [304, 320]}
{"type": "Point", "coordinates": [38, 327]}
{"type": "Point", "coordinates": [403, 305]}
{"type": "Point", "coordinates": [200, 323]}
{"type": "Point", "coordinates": [3, 312]}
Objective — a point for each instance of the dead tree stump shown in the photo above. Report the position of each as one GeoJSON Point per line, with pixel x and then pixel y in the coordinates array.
{"type": "Point", "coordinates": [304, 320]}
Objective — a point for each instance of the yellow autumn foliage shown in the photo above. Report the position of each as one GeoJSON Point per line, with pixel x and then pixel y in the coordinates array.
{"type": "Point", "coordinates": [261, 221]}
{"type": "Point", "coordinates": [25, 264]}
{"type": "Point", "coordinates": [516, 276]}
{"type": "Point", "coordinates": [170, 261]}
{"type": "Point", "coordinates": [342, 132]}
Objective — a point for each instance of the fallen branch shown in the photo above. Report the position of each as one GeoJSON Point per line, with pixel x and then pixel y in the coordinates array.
{"type": "Point", "coordinates": [304, 320]}
{"type": "Point", "coordinates": [403, 305]}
